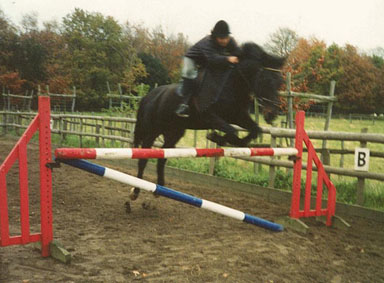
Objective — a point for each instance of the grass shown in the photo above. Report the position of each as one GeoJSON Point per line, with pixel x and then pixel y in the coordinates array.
{"type": "Point", "coordinates": [346, 186]}
{"type": "Point", "coordinates": [243, 171]}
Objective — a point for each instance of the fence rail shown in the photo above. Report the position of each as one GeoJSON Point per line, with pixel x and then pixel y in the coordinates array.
{"type": "Point", "coordinates": [120, 129]}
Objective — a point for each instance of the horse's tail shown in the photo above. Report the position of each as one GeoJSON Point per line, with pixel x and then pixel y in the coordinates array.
{"type": "Point", "coordinates": [138, 133]}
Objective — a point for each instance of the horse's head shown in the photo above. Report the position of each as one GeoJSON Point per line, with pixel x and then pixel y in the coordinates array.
{"type": "Point", "coordinates": [265, 78]}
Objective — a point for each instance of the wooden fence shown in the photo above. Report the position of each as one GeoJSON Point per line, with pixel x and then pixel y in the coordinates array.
{"type": "Point", "coordinates": [13, 102]}
{"type": "Point", "coordinates": [118, 131]}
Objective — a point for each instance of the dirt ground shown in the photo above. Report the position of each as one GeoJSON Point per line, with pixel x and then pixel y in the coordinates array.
{"type": "Point", "coordinates": [168, 241]}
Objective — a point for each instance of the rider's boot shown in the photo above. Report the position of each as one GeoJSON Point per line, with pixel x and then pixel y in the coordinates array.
{"type": "Point", "coordinates": [185, 91]}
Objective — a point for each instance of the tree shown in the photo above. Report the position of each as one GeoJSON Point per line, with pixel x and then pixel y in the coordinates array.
{"type": "Point", "coordinates": [99, 53]}
{"type": "Point", "coordinates": [305, 63]}
{"type": "Point", "coordinates": [8, 39]}
{"type": "Point", "coordinates": [282, 42]}
{"type": "Point", "coordinates": [12, 82]}
{"type": "Point", "coordinates": [357, 88]}
{"type": "Point", "coordinates": [30, 57]}
{"type": "Point", "coordinates": [313, 66]}
{"type": "Point", "coordinates": [22, 54]}
{"type": "Point", "coordinates": [168, 49]}
{"type": "Point", "coordinates": [377, 61]}
{"type": "Point", "coordinates": [378, 51]}
{"type": "Point", "coordinates": [157, 73]}
{"type": "Point", "coordinates": [30, 22]}
{"type": "Point", "coordinates": [58, 75]}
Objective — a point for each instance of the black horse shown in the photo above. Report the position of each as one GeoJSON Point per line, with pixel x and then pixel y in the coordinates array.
{"type": "Point", "coordinates": [215, 105]}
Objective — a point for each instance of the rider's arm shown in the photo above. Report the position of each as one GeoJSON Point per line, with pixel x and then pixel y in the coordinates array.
{"type": "Point", "coordinates": [216, 59]}
{"type": "Point", "coordinates": [213, 58]}
{"type": "Point", "coordinates": [210, 53]}
{"type": "Point", "coordinates": [233, 59]}
{"type": "Point", "coordinates": [204, 52]}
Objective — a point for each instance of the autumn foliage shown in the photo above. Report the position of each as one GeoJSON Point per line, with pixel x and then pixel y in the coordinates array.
{"type": "Point", "coordinates": [87, 50]}
{"type": "Point", "coordinates": [359, 82]}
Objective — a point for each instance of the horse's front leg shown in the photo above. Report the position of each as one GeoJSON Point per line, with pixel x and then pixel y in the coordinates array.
{"type": "Point", "coordinates": [171, 137]}
{"type": "Point", "coordinates": [217, 123]}
{"type": "Point", "coordinates": [246, 122]}
{"type": "Point", "coordinates": [136, 191]}
{"type": "Point", "coordinates": [147, 143]}
{"type": "Point", "coordinates": [160, 171]}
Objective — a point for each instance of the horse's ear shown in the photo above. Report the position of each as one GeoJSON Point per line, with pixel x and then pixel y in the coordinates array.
{"type": "Point", "coordinates": [273, 61]}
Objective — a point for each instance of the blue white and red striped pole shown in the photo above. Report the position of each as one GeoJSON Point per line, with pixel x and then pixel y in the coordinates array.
{"type": "Point", "coordinates": [140, 153]}
{"type": "Point", "coordinates": [169, 193]}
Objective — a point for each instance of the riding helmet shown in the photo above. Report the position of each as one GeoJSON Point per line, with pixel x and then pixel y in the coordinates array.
{"type": "Point", "coordinates": [221, 29]}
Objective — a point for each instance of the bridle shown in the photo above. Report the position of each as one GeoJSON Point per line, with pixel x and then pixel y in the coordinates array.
{"type": "Point", "coordinates": [272, 69]}
{"type": "Point", "coordinates": [253, 90]}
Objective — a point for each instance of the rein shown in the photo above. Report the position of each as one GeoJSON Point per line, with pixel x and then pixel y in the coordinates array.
{"type": "Point", "coordinates": [252, 90]}
{"type": "Point", "coordinates": [272, 69]}
{"type": "Point", "coordinates": [246, 80]}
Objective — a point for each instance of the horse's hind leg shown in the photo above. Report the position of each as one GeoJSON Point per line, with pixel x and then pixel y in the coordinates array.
{"type": "Point", "coordinates": [170, 140]}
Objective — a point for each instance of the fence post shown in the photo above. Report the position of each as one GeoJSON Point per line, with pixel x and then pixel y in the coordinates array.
{"type": "Point", "coordinates": [257, 166]}
{"type": "Point", "coordinates": [61, 126]}
{"type": "Point", "coordinates": [326, 156]}
{"type": "Point", "coordinates": [65, 128]}
{"type": "Point", "coordinates": [98, 133]}
{"type": "Point", "coordinates": [212, 160]}
{"type": "Point", "coordinates": [342, 155]}
{"type": "Point", "coordinates": [111, 131]}
{"type": "Point", "coordinates": [272, 169]}
{"type": "Point", "coordinates": [9, 101]}
{"type": "Point", "coordinates": [290, 101]}
{"type": "Point", "coordinates": [121, 94]}
{"type": "Point", "coordinates": [290, 105]}
{"type": "Point", "coordinates": [103, 132]}
{"type": "Point", "coordinates": [132, 132]}
{"type": "Point", "coordinates": [45, 174]}
{"type": "Point", "coordinates": [361, 181]}
{"type": "Point", "coordinates": [5, 123]}
{"type": "Point", "coordinates": [329, 116]}
{"type": "Point", "coordinates": [17, 122]}
{"type": "Point", "coordinates": [109, 92]}
{"type": "Point", "coordinates": [73, 99]}
{"type": "Point", "coordinates": [81, 131]}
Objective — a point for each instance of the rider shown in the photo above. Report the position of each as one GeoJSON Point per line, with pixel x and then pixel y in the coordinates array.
{"type": "Point", "coordinates": [216, 50]}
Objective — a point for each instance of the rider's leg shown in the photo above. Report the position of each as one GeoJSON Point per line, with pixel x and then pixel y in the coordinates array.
{"type": "Point", "coordinates": [185, 91]}
{"type": "Point", "coordinates": [188, 74]}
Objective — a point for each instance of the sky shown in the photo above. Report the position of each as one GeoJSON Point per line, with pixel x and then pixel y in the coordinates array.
{"type": "Point", "coordinates": [356, 22]}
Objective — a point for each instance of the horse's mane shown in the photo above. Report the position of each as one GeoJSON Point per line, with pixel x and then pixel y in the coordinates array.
{"type": "Point", "coordinates": [254, 52]}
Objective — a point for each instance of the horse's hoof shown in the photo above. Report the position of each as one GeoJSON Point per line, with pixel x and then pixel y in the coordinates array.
{"type": "Point", "coordinates": [134, 193]}
{"type": "Point", "coordinates": [128, 207]}
{"type": "Point", "coordinates": [148, 205]}
{"type": "Point", "coordinates": [216, 138]}
{"type": "Point", "coordinates": [156, 195]}
{"type": "Point", "coordinates": [212, 136]}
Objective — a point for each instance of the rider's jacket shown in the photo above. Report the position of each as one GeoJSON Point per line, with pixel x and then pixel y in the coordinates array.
{"type": "Point", "coordinates": [208, 53]}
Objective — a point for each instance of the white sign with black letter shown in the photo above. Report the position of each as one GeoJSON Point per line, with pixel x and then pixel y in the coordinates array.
{"type": "Point", "coordinates": [361, 159]}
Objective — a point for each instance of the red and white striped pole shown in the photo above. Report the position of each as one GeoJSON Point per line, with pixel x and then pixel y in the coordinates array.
{"type": "Point", "coordinates": [141, 153]}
